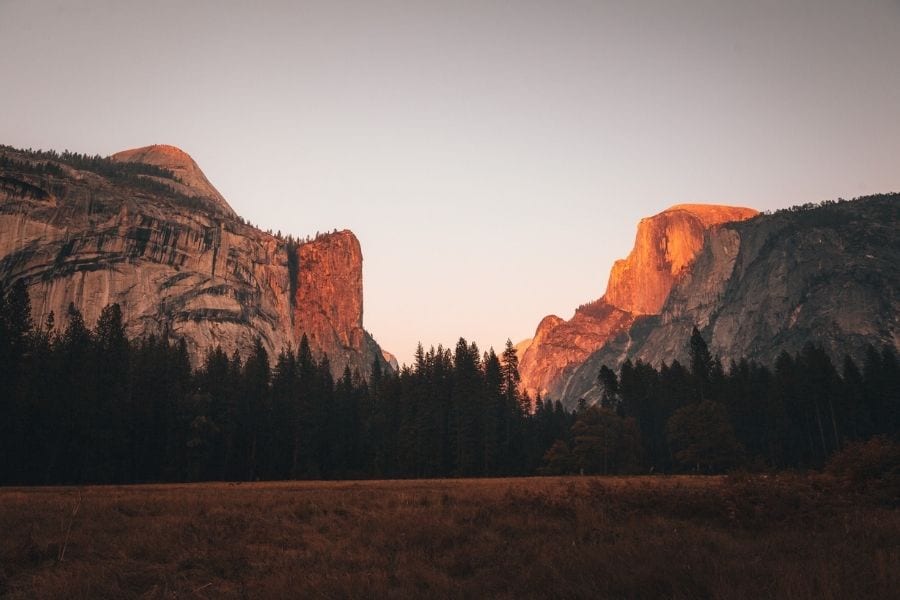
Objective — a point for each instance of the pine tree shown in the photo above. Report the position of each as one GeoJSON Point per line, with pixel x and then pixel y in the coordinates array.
{"type": "Point", "coordinates": [304, 459]}
{"type": "Point", "coordinates": [76, 452]}
{"type": "Point", "coordinates": [610, 384]}
{"type": "Point", "coordinates": [9, 410]}
{"type": "Point", "coordinates": [16, 328]}
{"type": "Point", "coordinates": [113, 404]}
{"type": "Point", "coordinates": [890, 375]}
{"type": "Point", "coordinates": [285, 411]}
{"type": "Point", "coordinates": [254, 409]}
{"type": "Point", "coordinates": [702, 365]}
{"type": "Point", "coordinates": [859, 424]}
{"type": "Point", "coordinates": [494, 416]}
{"type": "Point", "coordinates": [515, 407]}
{"type": "Point", "coordinates": [216, 380]}
{"type": "Point", "coordinates": [466, 399]}
{"type": "Point", "coordinates": [324, 391]}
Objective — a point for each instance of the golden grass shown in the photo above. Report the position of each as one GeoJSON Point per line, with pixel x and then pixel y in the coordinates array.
{"type": "Point", "coordinates": [575, 537]}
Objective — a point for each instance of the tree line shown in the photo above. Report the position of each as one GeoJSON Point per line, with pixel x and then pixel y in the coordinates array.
{"type": "Point", "coordinates": [84, 405]}
{"type": "Point", "coordinates": [41, 161]}
{"type": "Point", "coordinates": [704, 418]}
{"type": "Point", "coordinates": [144, 177]}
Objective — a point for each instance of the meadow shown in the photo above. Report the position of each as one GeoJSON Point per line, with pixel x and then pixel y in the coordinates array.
{"type": "Point", "coordinates": [752, 536]}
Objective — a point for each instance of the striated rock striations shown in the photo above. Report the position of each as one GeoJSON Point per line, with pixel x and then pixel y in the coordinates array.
{"type": "Point", "coordinates": [179, 264]}
{"type": "Point", "coordinates": [665, 247]}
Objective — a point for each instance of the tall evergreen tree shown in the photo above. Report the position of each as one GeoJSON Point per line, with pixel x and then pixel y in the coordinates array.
{"type": "Point", "coordinates": [16, 328]}
{"type": "Point", "coordinates": [111, 430]}
{"type": "Point", "coordinates": [285, 412]}
{"type": "Point", "coordinates": [254, 409]}
{"type": "Point", "coordinates": [702, 365]}
{"type": "Point", "coordinates": [466, 399]}
{"type": "Point", "coordinates": [494, 416]}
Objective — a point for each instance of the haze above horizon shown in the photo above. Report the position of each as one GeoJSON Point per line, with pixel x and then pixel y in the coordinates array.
{"type": "Point", "coordinates": [494, 159]}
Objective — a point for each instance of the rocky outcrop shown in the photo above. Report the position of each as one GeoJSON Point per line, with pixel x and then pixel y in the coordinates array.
{"type": "Point", "coordinates": [664, 249]}
{"type": "Point", "coordinates": [523, 346]}
{"type": "Point", "coordinates": [190, 180]}
{"type": "Point", "coordinates": [187, 271]}
{"type": "Point", "coordinates": [328, 300]}
{"type": "Point", "coordinates": [559, 346]}
{"type": "Point", "coordinates": [827, 274]}
{"type": "Point", "coordinates": [390, 360]}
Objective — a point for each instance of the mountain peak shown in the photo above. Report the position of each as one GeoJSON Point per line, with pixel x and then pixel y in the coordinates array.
{"type": "Point", "coordinates": [664, 248]}
{"type": "Point", "coordinates": [665, 245]}
{"type": "Point", "coordinates": [713, 214]}
{"type": "Point", "coordinates": [193, 181]}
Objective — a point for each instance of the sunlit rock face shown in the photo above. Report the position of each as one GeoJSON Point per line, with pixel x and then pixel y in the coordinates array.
{"type": "Point", "coordinates": [754, 287]}
{"type": "Point", "coordinates": [547, 363]}
{"type": "Point", "coordinates": [523, 347]}
{"type": "Point", "coordinates": [828, 275]}
{"type": "Point", "coordinates": [191, 180]}
{"type": "Point", "coordinates": [328, 301]}
{"type": "Point", "coordinates": [665, 247]}
{"type": "Point", "coordinates": [189, 271]}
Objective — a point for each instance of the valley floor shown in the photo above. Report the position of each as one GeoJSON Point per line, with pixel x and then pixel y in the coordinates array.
{"type": "Point", "coordinates": [571, 537]}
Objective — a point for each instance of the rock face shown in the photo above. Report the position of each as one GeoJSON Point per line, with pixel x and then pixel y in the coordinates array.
{"type": "Point", "coordinates": [191, 180]}
{"type": "Point", "coordinates": [188, 270]}
{"type": "Point", "coordinates": [827, 274]}
{"type": "Point", "coordinates": [665, 246]}
{"type": "Point", "coordinates": [328, 300]}
{"type": "Point", "coordinates": [664, 249]}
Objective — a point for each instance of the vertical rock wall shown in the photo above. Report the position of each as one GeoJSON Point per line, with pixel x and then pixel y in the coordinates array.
{"type": "Point", "coordinates": [665, 247]}
{"type": "Point", "coordinates": [178, 270]}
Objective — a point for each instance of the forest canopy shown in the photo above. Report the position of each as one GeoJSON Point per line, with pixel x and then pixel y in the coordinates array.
{"type": "Point", "coordinates": [84, 405]}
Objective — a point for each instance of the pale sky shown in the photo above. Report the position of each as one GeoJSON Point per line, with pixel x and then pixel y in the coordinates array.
{"type": "Point", "coordinates": [493, 158]}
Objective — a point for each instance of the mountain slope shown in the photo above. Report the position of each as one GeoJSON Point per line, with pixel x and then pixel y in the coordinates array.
{"type": "Point", "coordinates": [828, 274]}
{"type": "Point", "coordinates": [160, 241]}
{"type": "Point", "coordinates": [191, 180]}
{"type": "Point", "coordinates": [664, 249]}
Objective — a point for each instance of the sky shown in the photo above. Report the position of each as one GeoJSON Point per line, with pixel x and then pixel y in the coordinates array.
{"type": "Point", "coordinates": [494, 158]}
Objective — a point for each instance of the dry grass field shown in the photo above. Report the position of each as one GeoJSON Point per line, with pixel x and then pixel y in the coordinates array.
{"type": "Point", "coordinates": [583, 537]}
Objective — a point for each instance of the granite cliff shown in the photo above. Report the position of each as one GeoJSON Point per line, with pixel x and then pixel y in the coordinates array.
{"type": "Point", "coordinates": [189, 179]}
{"type": "Point", "coordinates": [828, 274]}
{"type": "Point", "coordinates": [664, 249]}
{"type": "Point", "coordinates": [146, 229]}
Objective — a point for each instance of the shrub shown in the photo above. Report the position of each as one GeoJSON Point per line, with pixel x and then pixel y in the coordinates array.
{"type": "Point", "coordinates": [870, 465]}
